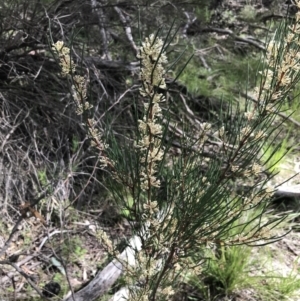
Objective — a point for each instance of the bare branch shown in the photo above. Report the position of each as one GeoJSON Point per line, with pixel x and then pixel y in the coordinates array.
{"type": "Point", "coordinates": [103, 32]}
{"type": "Point", "coordinates": [127, 29]}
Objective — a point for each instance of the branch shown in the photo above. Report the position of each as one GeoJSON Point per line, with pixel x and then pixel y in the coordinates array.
{"type": "Point", "coordinates": [103, 32]}
{"type": "Point", "coordinates": [245, 95]}
{"type": "Point", "coordinates": [114, 65]}
{"type": "Point", "coordinates": [28, 278]}
{"type": "Point", "coordinates": [16, 226]}
{"type": "Point", "coordinates": [236, 37]}
{"type": "Point", "coordinates": [188, 24]}
{"type": "Point", "coordinates": [127, 29]}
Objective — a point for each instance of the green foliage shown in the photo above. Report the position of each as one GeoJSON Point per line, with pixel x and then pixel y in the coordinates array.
{"type": "Point", "coordinates": [200, 202]}
{"type": "Point", "coordinates": [204, 13]}
{"type": "Point", "coordinates": [225, 78]}
{"type": "Point", "coordinates": [231, 270]}
{"type": "Point", "coordinates": [287, 287]}
{"type": "Point", "coordinates": [229, 16]}
{"type": "Point", "coordinates": [248, 13]}
{"type": "Point", "coordinates": [229, 273]}
{"type": "Point", "coordinates": [227, 266]}
{"type": "Point", "coordinates": [292, 105]}
{"type": "Point", "coordinates": [277, 153]}
{"type": "Point", "coordinates": [194, 78]}
{"type": "Point", "coordinates": [75, 143]}
{"type": "Point", "coordinates": [273, 155]}
{"type": "Point", "coordinates": [277, 284]}
{"type": "Point", "coordinates": [59, 278]}
{"type": "Point", "coordinates": [129, 203]}
{"type": "Point", "coordinates": [226, 271]}
{"type": "Point", "coordinates": [72, 249]}
{"type": "Point", "coordinates": [43, 178]}
{"type": "Point", "coordinates": [186, 201]}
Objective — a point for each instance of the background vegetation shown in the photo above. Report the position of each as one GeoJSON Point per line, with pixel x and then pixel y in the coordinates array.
{"type": "Point", "coordinates": [53, 193]}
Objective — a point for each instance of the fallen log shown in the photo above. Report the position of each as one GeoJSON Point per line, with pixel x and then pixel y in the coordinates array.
{"type": "Point", "coordinates": [104, 279]}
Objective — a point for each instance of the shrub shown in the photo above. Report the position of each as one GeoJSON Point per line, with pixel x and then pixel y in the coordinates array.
{"type": "Point", "coordinates": [186, 202]}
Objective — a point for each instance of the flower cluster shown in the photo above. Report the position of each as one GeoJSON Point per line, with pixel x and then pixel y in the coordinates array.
{"type": "Point", "coordinates": [283, 60]}
{"type": "Point", "coordinates": [152, 58]}
{"type": "Point", "coordinates": [79, 94]}
{"type": "Point", "coordinates": [79, 83]}
{"type": "Point", "coordinates": [65, 61]}
{"type": "Point", "coordinates": [150, 150]}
